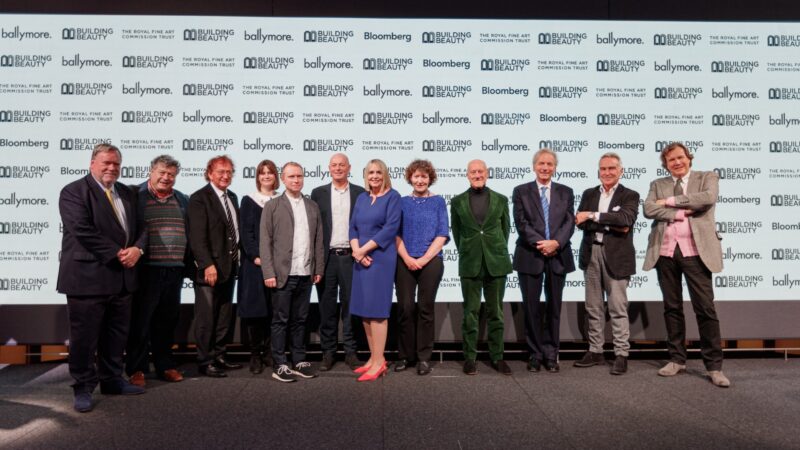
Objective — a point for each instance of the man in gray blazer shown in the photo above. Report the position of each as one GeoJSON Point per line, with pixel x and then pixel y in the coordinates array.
{"type": "Point", "coordinates": [684, 242]}
{"type": "Point", "coordinates": [292, 259]}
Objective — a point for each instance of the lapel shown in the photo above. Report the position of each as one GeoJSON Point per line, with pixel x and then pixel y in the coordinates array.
{"type": "Point", "coordinates": [129, 212]}
{"type": "Point", "coordinates": [287, 208]}
{"type": "Point", "coordinates": [105, 205]}
{"type": "Point", "coordinates": [537, 198]}
{"type": "Point", "coordinates": [466, 213]}
{"type": "Point", "coordinates": [694, 182]}
{"type": "Point", "coordinates": [593, 200]}
{"type": "Point", "coordinates": [310, 220]}
{"type": "Point", "coordinates": [216, 203]}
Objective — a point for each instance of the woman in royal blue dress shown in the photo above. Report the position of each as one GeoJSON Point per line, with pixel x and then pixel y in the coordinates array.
{"type": "Point", "coordinates": [253, 298]}
{"type": "Point", "coordinates": [424, 232]}
{"type": "Point", "coordinates": [373, 230]}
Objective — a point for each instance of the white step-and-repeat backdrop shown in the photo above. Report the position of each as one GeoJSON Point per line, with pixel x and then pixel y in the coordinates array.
{"type": "Point", "coordinates": [446, 90]}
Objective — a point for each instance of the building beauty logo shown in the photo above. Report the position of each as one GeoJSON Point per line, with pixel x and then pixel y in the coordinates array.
{"type": "Point", "coordinates": [206, 145]}
{"type": "Point", "coordinates": [146, 117]}
{"type": "Point", "coordinates": [327, 145]}
{"type": "Point", "coordinates": [267, 117]}
{"type": "Point", "coordinates": [327, 90]}
{"type": "Point", "coordinates": [268, 62]}
{"type": "Point", "coordinates": [208, 89]}
{"type": "Point", "coordinates": [783, 40]}
{"type": "Point", "coordinates": [147, 61]}
{"type": "Point", "coordinates": [208, 34]}
{"type": "Point", "coordinates": [24, 116]}
{"type": "Point", "coordinates": [733, 66]}
{"type": "Point", "coordinates": [677, 93]}
{"type": "Point", "coordinates": [453, 91]}
{"type": "Point", "coordinates": [734, 120]}
{"type": "Point", "coordinates": [504, 118]}
{"type": "Point", "coordinates": [446, 37]}
{"type": "Point", "coordinates": [624, 119]}
{"type": "Point", "coordinates": [561, 38]}
{"type": "Point", "coordinates": [504, 65]}
{"type": "Point", "coordinates": [26, 61]}
{"type": "Point", "coordinates": [619, 65]}
{"type": "Point", "coordinates": [387, 63]}
{"type": "Point", "coordinates": [446, 145]}
{"type": "Point", "coordinates": [85, 88]}
{"type": "Point", "coordinates": [327, 36]}
{"type": "Point", "coordinates": [677, 40]}
{"type": "Point", "coordinates": [386, 118]}
{"type": "Point", "coordinates": [564, 145]}
{"type": "Point", "coordinates": [23, 228]}
{"type": "Point", "coordinates": [86, 34]}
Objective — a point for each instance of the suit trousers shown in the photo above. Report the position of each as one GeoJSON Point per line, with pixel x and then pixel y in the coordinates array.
{"type": "Point", "coordinates": [415, 330]}
{"type": "Point", "coordinates": [289, 313]}
{"type": "Point", "coordinates": [97, 324]}
{"type": "Point", "coordinates": [336, 283]}
{"type": "Point", "coordinates": [213, 319]}
{"type": "Point", "coordinates": [154, 316]}
{"type": "Point", "coordinates": [542, 320]}
{"type": "Point", "coordinates": [599, 284]}
{"type": "Point", "coordinates": [701, 293]}
{"type": "Point", "coordinates": [494, 289]}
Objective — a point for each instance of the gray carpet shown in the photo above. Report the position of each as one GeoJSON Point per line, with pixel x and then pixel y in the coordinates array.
{"type": "Point", "coordinates": [577, 408]}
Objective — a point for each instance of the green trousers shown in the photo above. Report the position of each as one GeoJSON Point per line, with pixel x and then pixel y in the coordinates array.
{"type": "Point", "coordinates": [493, 290]}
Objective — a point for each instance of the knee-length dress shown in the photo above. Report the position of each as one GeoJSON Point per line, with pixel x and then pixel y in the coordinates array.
{"type": "Point", "coordinates": [253, 298]}
{"type": "Point", "coordinates": [371, 296]}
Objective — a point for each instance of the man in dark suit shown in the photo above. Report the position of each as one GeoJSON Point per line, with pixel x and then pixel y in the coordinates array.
{"type": "Point", "coordinates": [99, 248]}
{"type": "Point", "coordinates": [606, 215]}
{"type": "Point", "coordinates": [481, 226]}
{"type": "Point", "coordinates": [292, 259]}
{"type": "Point", "coordinates": [336, 201]}
{"type": "Point", "coordinates": [214, 242]}
{"type": "Point", "coordinates": [684, 243]}
{"type": "Point", "coordinates": [545, 221]}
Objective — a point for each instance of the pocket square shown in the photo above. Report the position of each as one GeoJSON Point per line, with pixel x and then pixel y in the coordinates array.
{"type": "Point", "coordinates": [616, 208]}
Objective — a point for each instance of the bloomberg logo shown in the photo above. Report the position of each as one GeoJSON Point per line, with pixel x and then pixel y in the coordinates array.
{"type": "Point", "coordinates": [445, 37]}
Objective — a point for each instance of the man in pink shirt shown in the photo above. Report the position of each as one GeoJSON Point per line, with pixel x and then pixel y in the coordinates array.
{"type": "Point", "coordinates": [684, 243]}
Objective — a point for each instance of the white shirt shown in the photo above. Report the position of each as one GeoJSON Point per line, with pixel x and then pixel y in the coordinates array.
{"type": "Point", "coordinates": [539, 186]}
{"type": "Point", "coordinates": [118, 206]}
{"type": "Point", "coordinates": [222, 201]}
{"type": "Point", "coordinates": [340, 217]}
{"type": "Point", "coordinates": [602, 207]}
{"type": "Point", "coordinates": [684, 181]}
{"type": "Point", "coordinates": [301, 247]}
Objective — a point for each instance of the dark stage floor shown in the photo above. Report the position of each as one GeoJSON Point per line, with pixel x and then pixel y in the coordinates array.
{"type": "Point", "coordinates": [577, 408]}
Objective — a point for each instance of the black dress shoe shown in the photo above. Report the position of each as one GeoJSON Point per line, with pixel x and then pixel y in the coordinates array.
{"type": "Point", "coordinates": [423, 368]}
{"type": "Point", "coordinates": [534, 365]}
{"type": "Point", "coordinates": [620, 365]}
{"type": "Point", "coordinates": [266, 359]}
{"type": "Point", "coordinates": [211, 370]}
{"type": "Point", "coordinates": [469, 367]}
{"type": "Point", "coordinates": [401, 365]}
{"type": "Point", "coordinates": [223, 363]}
{"type": "Point", "coordinates": [502, 367]}
{"type": "Point", "coordinates": [351, 359]}
{"type": "Point", "coordinates": [590, 359]}
{"type": "Point", "coordinates": [551, 366]}
{"type": "Point", "coordinates": [328, 360]}
{"type": "Point", "coordinates": [256, 365]}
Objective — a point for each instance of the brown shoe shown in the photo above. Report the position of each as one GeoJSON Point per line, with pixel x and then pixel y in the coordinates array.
{"type": "Point", "coordinates": [137, 379]}
{"type": "Point", "coordinates": [171, 375]}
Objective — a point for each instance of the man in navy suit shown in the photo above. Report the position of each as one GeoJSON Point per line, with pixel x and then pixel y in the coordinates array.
{"type": "Point", "coordinates": [545, 220]}
{"type": "Point", "coordinates": [100, 247]}
{"type": "Point", "coordinates": [214, 242]}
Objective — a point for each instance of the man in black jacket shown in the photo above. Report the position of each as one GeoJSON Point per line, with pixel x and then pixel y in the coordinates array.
{"type": "Point", "coordinates": [606, 215]}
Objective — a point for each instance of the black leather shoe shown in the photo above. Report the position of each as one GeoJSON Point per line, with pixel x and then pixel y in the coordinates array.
{"type": "Point", "coordinates": [620, 365]}
{"type": "Point", "coordinates": [423, 368]}
{"type": "Point", "coordinates": [401, 365]}
{"type": "Point", "coordinates": [551, 366]}
{"type": "Point", "coordinates": [266, 359]}
{"type": "Point", "coordinates": [223, 363]}
{"type": "Point", "coordinates": [590, 359]}
{"type": "Point", "coordinates": [328, 360]}
{"type": "Point", "coordinates": [256, 365]}
{"type": "Point", "coordinates": [211, 370]}
{"type": "Point", "coordinates": [351, 359]}
{"type": "Point", "coordinates": [534, 365]}
{"type": "Point", "coordinates": [469, 367]}
{"type": "Point", "coordinates": [502, 367]}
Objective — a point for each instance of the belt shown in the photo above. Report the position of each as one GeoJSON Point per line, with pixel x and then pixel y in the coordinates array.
{"type": "Point", "coordinates": [340, 251]}
{"type": "Point", "coordinates": [597, 243]}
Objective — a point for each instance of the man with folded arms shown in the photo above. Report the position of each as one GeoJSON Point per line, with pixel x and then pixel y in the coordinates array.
{"type": "Point", "coordinates": [100, 247]}
{"type": "Point", "coordinates": [684, 243]}
{"type": "Point", "coordinates": [606, 215]}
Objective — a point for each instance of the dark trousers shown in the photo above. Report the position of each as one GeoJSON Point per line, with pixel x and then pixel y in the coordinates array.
{"type": "Point", "coordinates": [258, 333]}
{"type": "Point", "coordinates": [289, 313]}
{"type": "Point", "coordinates": [494, 288]}
{"type": "Point", "coordinates": [336, 282]}
{"type": "Point", "coordinates": [542, 320]}
{"type": "Point", "coordinates": [701, 293]}
{"type": "Point", "coordinates": [213, 319]}
{"type": "Point", "coordinates": [154, 316]}
{"type": "Point", "coordinates": [97, 325]}
{"type": "Point", "coordinates": [415, 330]}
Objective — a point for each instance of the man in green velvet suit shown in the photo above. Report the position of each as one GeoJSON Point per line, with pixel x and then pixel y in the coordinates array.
{"type": "Point", "coordinates": [481, 226]}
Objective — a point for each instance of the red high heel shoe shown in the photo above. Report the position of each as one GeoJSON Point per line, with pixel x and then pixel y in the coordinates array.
{"type": "Point", "coordinates": [367, 377]}
{"type": "Point", "coordinates": [361, 369]}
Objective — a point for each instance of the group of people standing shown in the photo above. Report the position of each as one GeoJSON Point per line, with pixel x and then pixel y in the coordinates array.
{"type": "Point", "coordinates": [126, 251]}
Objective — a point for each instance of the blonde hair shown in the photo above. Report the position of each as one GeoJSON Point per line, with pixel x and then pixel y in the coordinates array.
{"type": "Point", "coordinates": [387, 180]}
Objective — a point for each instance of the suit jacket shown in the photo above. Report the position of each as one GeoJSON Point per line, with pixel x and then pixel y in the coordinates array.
{"type": "Point", "coordinates": [322, 196]}
{"type": "Point", "coordinates": [487, 242]}
{"type": "Point", "coordinates": [529, 220]}
{"type": "Point", "coordinates": [620, 256]}
{"type": "Point", "coordinates": [277, 239]}
{"type": "Point", "coordinates": [209, 239]}
{"type": "Point", "coordinates": [701, 196]}
{"type": "Point", "coordinates": [92, 237]}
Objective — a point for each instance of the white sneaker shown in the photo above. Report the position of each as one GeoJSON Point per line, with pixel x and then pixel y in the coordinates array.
{"type": "Point", "coordinates": [284, 374]}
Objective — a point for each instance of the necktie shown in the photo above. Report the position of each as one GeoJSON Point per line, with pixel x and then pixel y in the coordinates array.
{"type": "Point", "coordinates": [121, 221]}
{"type": "Point", "coordinates": [546, 211]}
{"type": "Point", "coordinates": [231, 230]}
{"type": "Point", "coordinates": [678, 190]}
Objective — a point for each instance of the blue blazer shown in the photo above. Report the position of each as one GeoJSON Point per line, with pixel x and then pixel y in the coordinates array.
{"type": "Point", "coordinates": [91, 239]}
{"type": "Point", "coordinates": [529, 220]}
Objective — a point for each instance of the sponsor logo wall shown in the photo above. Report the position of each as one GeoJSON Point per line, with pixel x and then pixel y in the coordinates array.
{"type": "Point", "coordinates": [448, 91]}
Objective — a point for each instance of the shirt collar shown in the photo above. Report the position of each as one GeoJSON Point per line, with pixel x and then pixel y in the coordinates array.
{"type": "Point", "coordinates": [218, 191]}
{"type": "Point", "coordinates": [549, 185]}
{"type": "Point", "coordinates": [684, 178]}
{"type": "Point", "coordinates": [342, 191]}
{"type": "Point", "coordinates": [610, 191]}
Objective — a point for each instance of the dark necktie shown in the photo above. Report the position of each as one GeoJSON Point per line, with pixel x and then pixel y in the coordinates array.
{"type": "Point", "coordinates": [678, 190]}
{"type": "Point", "coordinates": [546, 211]}
{"type": "Point", "coordinates": [231, 231]}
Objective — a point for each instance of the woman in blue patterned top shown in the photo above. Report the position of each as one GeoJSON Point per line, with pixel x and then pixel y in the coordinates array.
{"type": "Point", "coordinates": [420, 268]}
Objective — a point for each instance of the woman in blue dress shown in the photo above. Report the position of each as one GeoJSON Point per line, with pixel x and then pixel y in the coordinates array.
{"type": "Point", "coordinates": [373, 230]}
{"type": "Point", "coordinates": [420, 267]}
{"type": "Point", "coordinates": [253, 298]}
